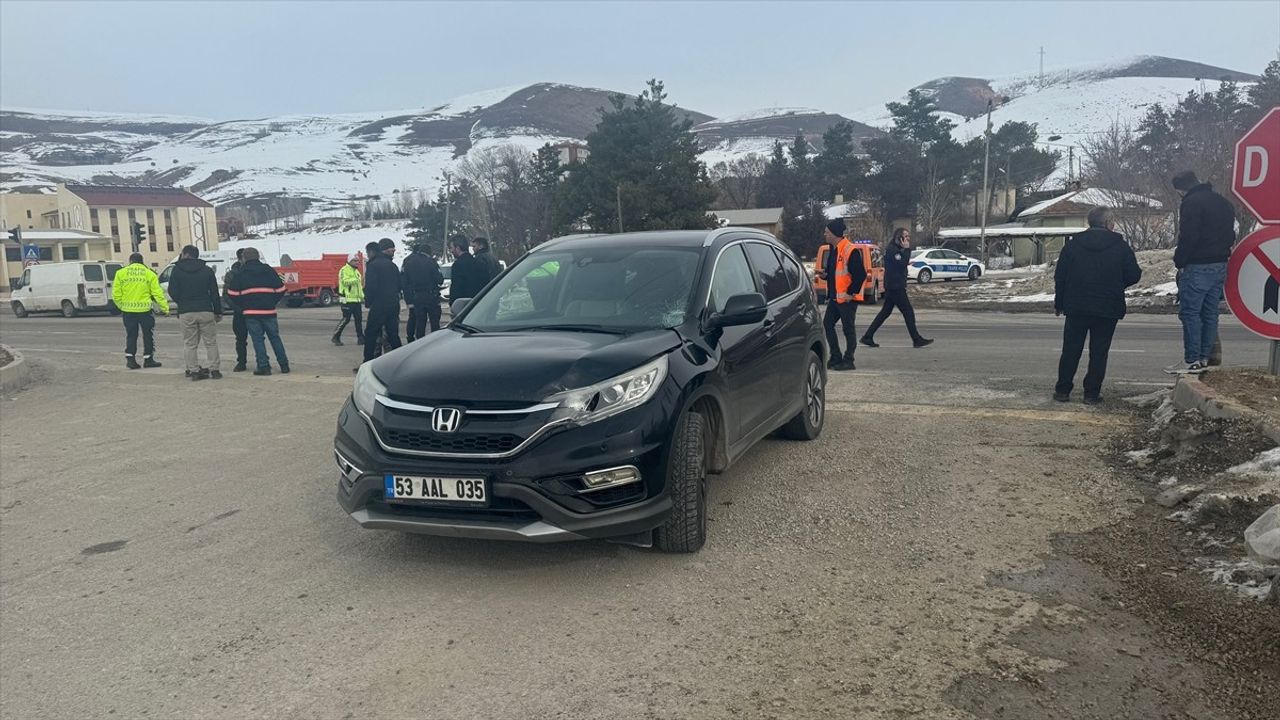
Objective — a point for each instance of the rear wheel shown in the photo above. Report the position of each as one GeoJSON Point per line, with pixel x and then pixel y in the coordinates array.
{"type": "Point", "coordinates": [19, 310]}
{"type": "Point", "coordinates": [326, 297]}
{"type": "Point", "coordinates": [925, 276]}
{"type": "Point", "coordinates": [68, 309]}
{"type": "Point", "coordinates": [685, 531]}
{"type": "Point", "coordinates": [293, 301]}
{"type": "Point", "coordinates": [808, 424]}
{"type": "Point", "coordinates": [974, 273]}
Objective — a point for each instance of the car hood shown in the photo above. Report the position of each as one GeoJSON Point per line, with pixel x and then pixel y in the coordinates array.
{"type": "Point", "coordinates": [523, 367]}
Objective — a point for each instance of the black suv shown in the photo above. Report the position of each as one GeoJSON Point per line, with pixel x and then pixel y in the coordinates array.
{"type": "Point", "coordinates": [588, 391]}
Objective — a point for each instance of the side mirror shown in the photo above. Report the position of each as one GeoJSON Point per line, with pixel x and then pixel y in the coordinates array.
{"type": "Point", "coordinates": [457, 306]}
{"type": "Point", "coordinates": [745, 309]}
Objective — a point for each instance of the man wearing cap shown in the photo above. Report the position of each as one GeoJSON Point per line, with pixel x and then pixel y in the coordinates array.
{"type": "Point", "coordinates": [351, 289]}
{"type": "Point", "coordinates": [135, 290]}
{"type": "Point", "coordinates": [845, 274]}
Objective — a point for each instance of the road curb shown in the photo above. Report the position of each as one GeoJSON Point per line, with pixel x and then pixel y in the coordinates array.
{"type": "Point", "coordinates": [16, 374]}
{"type": "Point", "coordinates": [1191, 394]}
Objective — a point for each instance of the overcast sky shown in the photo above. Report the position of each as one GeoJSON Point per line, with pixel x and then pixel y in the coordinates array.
{"type": "Point", "coordinates": [233, 60]}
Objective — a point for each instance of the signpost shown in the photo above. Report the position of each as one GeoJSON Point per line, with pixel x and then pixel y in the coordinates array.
{"type": "Point", "coordinates": [30, 255]}
{"type": "Point", "coordinates": [1253, 273]}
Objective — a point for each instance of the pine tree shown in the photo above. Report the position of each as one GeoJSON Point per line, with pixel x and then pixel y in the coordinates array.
{"type": "Point", "coordinates": [838, 171]}
{"type": "Point", "coordinates": [775, 186]}
{"type": "Point", "coordinates": [1265, 94]}
{"type": "Point", "coordinates": [643, 153]}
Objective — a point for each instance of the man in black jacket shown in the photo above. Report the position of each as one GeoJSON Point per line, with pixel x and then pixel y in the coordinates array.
{"type": "Point", "coordinates": [1093, 270]}
{"type": "Point", "coordinates": [480, 250]}
{"type": "Point", "coordinates": [422, 279]}
{"type": "Point", "coordinates": [255, 291]}
{"type": "Point", "coordinates": [842, 307]}
{"type": "Point", "coordinates": [468, 276]}
{"type": "Point", "coordinates": [1206, 232]}
{"type": "Point", "coordinates": [194, 289]}
{"type": "Point", "coordinates": [897, 258]}
{"type": "Point", "coordinates": [237, 318]}
{"type": "Point", "coordinates": [382, 297]}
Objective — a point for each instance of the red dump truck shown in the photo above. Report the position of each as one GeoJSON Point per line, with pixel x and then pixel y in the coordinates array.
{"type": "Point", "coordinates": [313, 281]}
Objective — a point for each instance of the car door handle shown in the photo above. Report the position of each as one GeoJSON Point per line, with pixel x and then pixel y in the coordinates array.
{"type": "Point", "coordinates": [768, 327]}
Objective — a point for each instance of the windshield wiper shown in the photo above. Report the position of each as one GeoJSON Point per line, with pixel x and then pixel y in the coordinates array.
{"type": "Point", "coordinates": [571, 327]}
{"type": "Point", "coordinates": [467, 328]}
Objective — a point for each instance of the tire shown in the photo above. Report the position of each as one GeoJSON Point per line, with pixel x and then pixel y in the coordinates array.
{"type": "Point", "coordinates": [808, 424]}
{"type": "Point", "coordinates": [326, 298]}
{"type": "Point", "coordinates": [974, 273]}
{"type": "Point", "coordinates": [293, 301]}
{"type": "Point", "coordinates": [925, 276]}
{"type": "Point", "coordinates": [68, 309]}
{"type": "Point", "coordinates": [19, 310]}
{"type": "Point", "coordinates": [685, 530]}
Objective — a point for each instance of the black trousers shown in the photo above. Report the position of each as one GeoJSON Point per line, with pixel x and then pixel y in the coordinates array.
{"type": "Point", "coordinates": [133, 322]}
{"type": "Point", "coordinates": [1099, 331]}
{"type": "Point", "coordinates": [351, 312]}
{"type": "Point", "coordinates": [895, 299]}
{"type": "Point", "coordinates": [844, 313]}
{"type": "Point", "coordinates": [241, 329]}
{"type": "Point", "coordinates": [381, 320]}
{"type": "Point", "coordinates": [422, 312]}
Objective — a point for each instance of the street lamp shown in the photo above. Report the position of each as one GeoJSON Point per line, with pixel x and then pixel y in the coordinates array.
{"type": "Point", "coordinates": [1071, 155]}
{"type": "Point", "coordinates": [986, 170]}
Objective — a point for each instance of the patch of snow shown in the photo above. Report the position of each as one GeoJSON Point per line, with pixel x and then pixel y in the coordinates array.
{"type": "Point", "coordinates": [762, 113]}
{"type": "Point", "coordinates": [348, 238]}
{"type": "Point", "coordinates": [1243, 577]}
{"type": "Point", "coordinates": [1136, 455]}
{"type": "Point", "coordinates": [1266, 463]}
{"type": "Point", "coordinates": [470, 102]}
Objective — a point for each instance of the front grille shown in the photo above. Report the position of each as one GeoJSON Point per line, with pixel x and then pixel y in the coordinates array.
{"type": "Point", "coordinates": [466, 444]}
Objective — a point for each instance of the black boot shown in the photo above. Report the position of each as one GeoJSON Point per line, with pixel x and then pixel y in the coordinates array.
{"type": "Point", "coordinates": [337, 340]}
{"type": "Point", "coordinates": [869, 342]}
{"type": "Point", "coordinates": [132, 364]}
{"type": "Point", "coordinates": [149, 362]}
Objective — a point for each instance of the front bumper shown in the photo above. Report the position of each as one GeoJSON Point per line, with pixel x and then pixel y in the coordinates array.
{"type": "Point", "coordinates": [534, 496]}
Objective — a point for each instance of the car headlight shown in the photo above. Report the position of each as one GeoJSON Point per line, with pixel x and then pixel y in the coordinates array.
{"type": "Point", "coordinates": [366, 389]}
{"type": "Point", "coordinates": [606, 399]}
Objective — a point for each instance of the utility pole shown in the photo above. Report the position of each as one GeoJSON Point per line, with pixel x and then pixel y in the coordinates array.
{"type": "Point", "coordinates": [1042, 67]}
{"type": "Point", "coordinates": [1008, 181]}
{"type": "Point", "coordinates": [448, 192]}
{"type": "Point", "coordinates": [619, 186]}
{"type": "Point", "coordinates": [986, 168]}
{"type": "Point", "coordinates": [1071, 165]}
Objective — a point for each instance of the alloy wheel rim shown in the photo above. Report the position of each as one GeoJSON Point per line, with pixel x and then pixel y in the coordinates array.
{"type": "Point", "coordinates": [814, 395]}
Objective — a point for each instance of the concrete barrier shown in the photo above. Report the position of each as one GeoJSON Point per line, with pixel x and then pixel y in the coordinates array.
{"type": "Point", "coordinates": [16, 374]}
{"type": "Point", "coordinates": [1191, 394]}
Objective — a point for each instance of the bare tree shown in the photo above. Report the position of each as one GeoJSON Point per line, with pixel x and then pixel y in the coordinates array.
{"type": "Point", "coordinates": [739, 181]}
{"type": "Point", "coordinates": [938, 199]}
{"type": "Point", "coordinates": [1142, 206]}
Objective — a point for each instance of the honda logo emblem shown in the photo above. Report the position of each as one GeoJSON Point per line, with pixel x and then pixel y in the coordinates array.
{"type": "Point", "coordinates": [446, 420]}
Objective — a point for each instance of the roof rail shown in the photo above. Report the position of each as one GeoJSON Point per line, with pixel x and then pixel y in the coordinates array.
{"type": "Point", "coordinates": [718, 232]}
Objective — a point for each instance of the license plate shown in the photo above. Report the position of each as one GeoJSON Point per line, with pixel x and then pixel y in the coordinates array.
{"type": "Point", "coordinates": [96, 290]}
{"type": "Point", "coordinates": [460, 491]}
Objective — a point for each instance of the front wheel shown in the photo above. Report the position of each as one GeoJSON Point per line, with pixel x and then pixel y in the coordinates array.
{"type": "Point", "coordinates": [924, 276]}
{"type": "Point", "coordinates": [808, 424]}
{"type": "Point", "coordinates": [974, 273]}
{"type": "Point", "coordinates": [685, 530]}
{"type": "Point", "coordinates": [68, 309]}
{"type": "Point", "coordinates": [19, 310]}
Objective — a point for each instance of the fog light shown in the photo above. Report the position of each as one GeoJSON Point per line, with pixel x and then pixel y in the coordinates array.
{"type": "Point", "coordinates": [349, 472]}
{"type": "Point", "coordinates": [612, 477]}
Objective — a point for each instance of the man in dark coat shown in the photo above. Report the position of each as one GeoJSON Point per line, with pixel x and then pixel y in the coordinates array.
{"type": "Point", "coordinates": [480, 250]}
{"type": "Point", "coordinates": [194, 289]}
{"type": "Point", "coordinates": [421, 277]}
{"type": "Point", "coordinates": [1094, 268]}
{"type": "Point", "coordinates": [382, 297]}
{"type": "Point", "coordinates": [468, 276]}
{"type": "Point", "coordinates": [1206, 232]}
{"type": "Point", "coordinates": [238, 325]}
{"type": "Point", "coordinates": [256, 290]}
{"type": "Point", "coordinates": [897, 258]}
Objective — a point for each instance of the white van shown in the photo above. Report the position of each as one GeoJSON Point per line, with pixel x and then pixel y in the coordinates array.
{"type": "Point", "coordinates": [219, 260]}
{"type": "Point", "coordinates": [68, 287]}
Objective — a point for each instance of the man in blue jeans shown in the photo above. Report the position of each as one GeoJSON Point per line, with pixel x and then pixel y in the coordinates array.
{"type": "Point", "coordinates": [1206, 232]}
{"type": "Point", "coordinates": [255, 291]}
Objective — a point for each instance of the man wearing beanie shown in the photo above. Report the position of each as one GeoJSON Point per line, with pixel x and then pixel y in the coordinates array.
{"type": "Point", "coordinates": [845, 274]}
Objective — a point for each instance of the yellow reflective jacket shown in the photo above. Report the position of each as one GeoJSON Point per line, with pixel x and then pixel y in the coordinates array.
{"type": "Point", "coordinates": [135, 287]}
{"type": "Point", "coordinates": [349, 285]}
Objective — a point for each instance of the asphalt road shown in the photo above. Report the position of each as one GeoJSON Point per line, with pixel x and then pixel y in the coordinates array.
{"type": "Point", "coordinates": [174, 549]}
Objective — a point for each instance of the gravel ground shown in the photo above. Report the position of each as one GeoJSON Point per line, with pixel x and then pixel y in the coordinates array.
{"type": "Point", "coordinates": [1255, 388]}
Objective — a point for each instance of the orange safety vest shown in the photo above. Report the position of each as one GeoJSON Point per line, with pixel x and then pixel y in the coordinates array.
{"type": "Point", "coordinates": [844, 280]}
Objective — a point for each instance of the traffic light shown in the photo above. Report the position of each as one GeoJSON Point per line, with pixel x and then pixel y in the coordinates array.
{"type": "Point", "coordinates": [15, 234]}
{"type": "Point", "coordinates": [139, 235]}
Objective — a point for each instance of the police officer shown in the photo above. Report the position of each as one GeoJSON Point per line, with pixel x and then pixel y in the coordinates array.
{"type": "Point", "coordinates": [845, 274]}
{"type": "Point", "coordinates": [133, 290]}
{"type": "Point", "coordinates": [351, 290]}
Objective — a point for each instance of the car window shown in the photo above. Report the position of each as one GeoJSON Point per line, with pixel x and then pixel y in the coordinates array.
{"type": "Point", "coordinates": [733, 277]}
{"type": "Point", "coordinates": [112, 269]}
{"type": "Point", "coordinates": [92, 273]}
{"type": "Point", "coordinates": [166, 274]}
{"type": "Point", "coordinates": [770, 276]}
{"type": "Point", "coordinates": [26, 278]}
{"type": "Point", "coordinates": [792, 271]}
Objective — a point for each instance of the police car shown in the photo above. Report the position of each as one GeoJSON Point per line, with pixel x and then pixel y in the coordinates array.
{"type": "Point", "coordinates": [942, 264]}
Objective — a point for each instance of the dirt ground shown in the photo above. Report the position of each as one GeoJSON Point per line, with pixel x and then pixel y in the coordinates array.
{"type": "Point", "coordinates": [1257, 389]}
{"type": "Point", "coordinates": [5, 357]}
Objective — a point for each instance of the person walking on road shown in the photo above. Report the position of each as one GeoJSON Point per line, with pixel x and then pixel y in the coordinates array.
{"type": "Point", "coordinates": [422, 280]}
{"type": "Point", "coordinates": [1093, 270]}
{"type": "Point", "coordinates": [468, 275]}
{"type": "Point", "coordinates": [897, 258]}
{"type": "Point", "coordinates": [134, 290]}
{"type": "Point", "coordinates": [1206, 232]}
{"type": "Point", "coordinates": [480, 251]}
{"type": "Point", "coordinates": [845, 274]}
{"type": "Point", "coordinates": [194, 289]}
{"type": "Point", "coordinates": [382, 297]}
{"type": "Point", "coordinates": [238, 325]}
{"type": "Point", "coordinates": [351, 290]}
{"type": "Point", "coordinates": [255, 291]}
